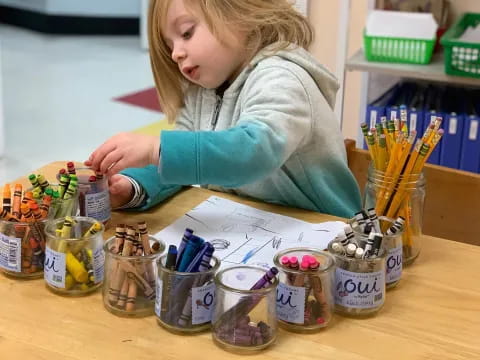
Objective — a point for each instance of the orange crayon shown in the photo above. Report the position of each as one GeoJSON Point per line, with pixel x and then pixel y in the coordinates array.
{"type": "Point", "coordinates": [7, 198]}
{"type": "Point", "coordinates": [17, 199]}
{"type": "Point", "coordinates": [5, 215]}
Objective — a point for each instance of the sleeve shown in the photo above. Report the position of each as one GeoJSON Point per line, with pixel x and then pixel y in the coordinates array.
{"type": "Point", "coordinates": [138, 198]}
{"type": "Point", "coordinates": [275, 120]}
{"type": "Point", "coordinates": [149, 180]}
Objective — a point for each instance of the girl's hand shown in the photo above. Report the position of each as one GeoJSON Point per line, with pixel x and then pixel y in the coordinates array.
{"type": "Point", "coordinates": [124, 150]}
{"type": "Point", "coordinates": [121, 190]}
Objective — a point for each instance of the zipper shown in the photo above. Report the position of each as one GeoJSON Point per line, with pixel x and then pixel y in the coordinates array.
{"type": "Point", "coordinates": [216, 112]}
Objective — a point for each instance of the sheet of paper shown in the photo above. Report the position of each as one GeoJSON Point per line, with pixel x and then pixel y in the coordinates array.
{"type": "Point", "coordinates": [245, 235]}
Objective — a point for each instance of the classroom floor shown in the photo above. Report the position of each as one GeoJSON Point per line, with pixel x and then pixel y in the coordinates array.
{"type": "Point", "coordinates": [58, 95]}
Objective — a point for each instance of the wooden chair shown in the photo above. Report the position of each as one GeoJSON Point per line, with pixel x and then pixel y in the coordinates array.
{"type": "Point", "coordinates": [452, 201]}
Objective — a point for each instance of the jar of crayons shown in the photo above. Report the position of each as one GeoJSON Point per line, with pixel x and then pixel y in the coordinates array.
{"type": "Point", "coordinates": [185, 288]}
{"type": "Point", "coordinates": [365, 223]}
{"type": "Point", "coordinates": [359, 288]}
{"type": "Point", "coordinates": [305, 295]}
{"type": "Point", "coordinates": [22, 220]}
{"type": "Point", "coordinates": [399, 196]}
{"type": "Point", "coordinates": [94, 195]}
{"type": "Point", "coordinates": [22, 248]}
{"type": "Point", "coordinates": [74, 257]}
{"type": "Point", "coordinates": [245, 316]}
{"type": "Point", "coordinates": [130, 271]}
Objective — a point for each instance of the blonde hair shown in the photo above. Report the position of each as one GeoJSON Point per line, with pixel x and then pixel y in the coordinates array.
{"type": "Point", "coordinates": [265, 22]}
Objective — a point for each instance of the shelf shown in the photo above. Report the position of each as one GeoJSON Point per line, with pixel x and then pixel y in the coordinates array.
{"type": "Point", "coordinates": [432, 72]}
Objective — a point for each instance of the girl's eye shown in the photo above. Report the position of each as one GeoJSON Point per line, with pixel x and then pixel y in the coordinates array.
{"type": "Point", "coordinates": [188, 34]}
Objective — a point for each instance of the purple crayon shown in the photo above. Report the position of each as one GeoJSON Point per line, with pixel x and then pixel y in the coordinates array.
{"type": "Point", "coordinates": [270, 274]}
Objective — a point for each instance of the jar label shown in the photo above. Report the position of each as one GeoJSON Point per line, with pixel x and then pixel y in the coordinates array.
{"type": "Point", "coordinates": [359, 290]}
{"type": "Point", "coordinates": [291, 303]}
{"type": "Point", "coordinates": [54, 269]}
{"type": "Point", "coordinates": [98, 264]}
{"type": "Point", "coordinates": [158, 297]}
{"type": "Point", "coordinates": [203, 302]}
{"type": "Point", "coordinates": [97, 205]}
{"type": "Point", "coordinates": [10, 253]}
{"type": "Point", "coordinates": [394, 264]}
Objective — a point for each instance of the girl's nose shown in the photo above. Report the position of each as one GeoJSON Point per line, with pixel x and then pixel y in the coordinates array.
{"type": "Point", "coordinates": [178, 53]}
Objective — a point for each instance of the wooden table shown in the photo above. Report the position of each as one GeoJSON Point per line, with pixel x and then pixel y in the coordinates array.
{"type": "Point", "coordinates": [434, 313]}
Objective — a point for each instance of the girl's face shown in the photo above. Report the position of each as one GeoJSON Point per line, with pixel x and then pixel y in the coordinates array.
{"type": "Point", "coordinates": [201, 58]}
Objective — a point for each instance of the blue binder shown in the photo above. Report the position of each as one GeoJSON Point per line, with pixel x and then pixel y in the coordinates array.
{"type": "Point", "coordinates": [452, 140]}
{"type": "Point", "coordinates": [470, 154]}
{"type": "Point", "coordinates": [453, 126]}
{"type": "Point", "coordinates": [415, 110]}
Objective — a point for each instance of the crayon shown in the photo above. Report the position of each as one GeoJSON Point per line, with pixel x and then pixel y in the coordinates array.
{"type": "Point", "coordinates": [7, 195]}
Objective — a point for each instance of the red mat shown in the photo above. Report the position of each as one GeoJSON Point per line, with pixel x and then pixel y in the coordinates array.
{"type": "Point", "coordinates": [144, 98]}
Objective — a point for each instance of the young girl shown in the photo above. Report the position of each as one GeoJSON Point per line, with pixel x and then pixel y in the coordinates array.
{"type": "Point", "coordinates": [252, 108]}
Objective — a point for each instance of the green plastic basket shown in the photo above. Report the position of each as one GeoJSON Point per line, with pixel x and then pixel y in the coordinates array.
{"type": "Point", "coordinates": [398, 50]}
{"type": "Point", "coordinates": [461, 58]}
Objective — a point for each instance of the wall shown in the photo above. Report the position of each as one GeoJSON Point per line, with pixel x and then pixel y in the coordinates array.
{"type": "Point", "coordinates": [100, 8]}
{"type": "Point", "coordinates": [324, 14]}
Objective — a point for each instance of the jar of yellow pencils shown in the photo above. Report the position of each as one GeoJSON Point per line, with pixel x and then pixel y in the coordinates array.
{"type": "Point", "coordinates": [399, 195]}
{"type": "Point", "coordinates": [130, 271]}
{"type": "Point", "coordinates": [74, 257]}
{"type": "Point", "coordinates": [244, 318]}
{"type": "Point", "coordinates": [304, 295]}
{"type": "Point", "coordinates": [396, 185]}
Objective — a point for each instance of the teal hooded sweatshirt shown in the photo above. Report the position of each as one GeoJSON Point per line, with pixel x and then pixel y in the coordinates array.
{"type": "Point", "coordinates": [272, 136]}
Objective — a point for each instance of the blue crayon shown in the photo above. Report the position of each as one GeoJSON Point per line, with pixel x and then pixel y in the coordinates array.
{"type": "Point", "coordinates": [171, 257]}
{"type": "Point", "coordinates": [206, 252]}
{"type": "Point", "coordinates": [186, 237]}
{"type": "Point", "coordinates": [191, 249]}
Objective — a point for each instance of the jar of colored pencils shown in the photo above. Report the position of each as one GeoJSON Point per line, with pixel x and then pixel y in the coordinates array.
{"type": "Point", "coordinates": [74, 257]}
{"type": "Point", "coordinates": [398, 195]}
{"type": "Point", "coordinates": [245, 317]}
{"type": "Point", "coordinates": [185, 300]}
{"type": "Point", "coordinates": [304, 295]}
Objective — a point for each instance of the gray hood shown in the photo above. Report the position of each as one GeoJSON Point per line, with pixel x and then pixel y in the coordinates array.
{"type": "Point", "coordinates": [325, 80]}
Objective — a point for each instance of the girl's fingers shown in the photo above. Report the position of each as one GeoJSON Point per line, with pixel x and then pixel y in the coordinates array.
{"type": "Point", "coordinates": [117, 167]}
{"type": "Point", "coordinates": [109, 160]}
{"type": "Point", "coordinates": [98, 156]}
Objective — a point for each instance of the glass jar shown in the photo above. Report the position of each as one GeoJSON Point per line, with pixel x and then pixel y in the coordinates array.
{"type": "Point", "coordinates": [94, 195]}
{"type": "Point", "coordinates": [137, 297]}
{"type": "Point", "coordinates": [64, 207]}
{"type": "Point", "coordinates": [185, 300]}
{"type": "Point", "coordinates": [74, 257]}
{"type": "Point", "coordinates": [244, 320]}
{"type": "Point", "coordinates": [304, 296]}
{"type": "Point", "coordinates": [359, 284]}
{"type": "Point", "coordinates": [393, 245]}
{"type": "Point", "coordinates": [22, 249]}
{"type": "Point", "coordinates": [399, 196]}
